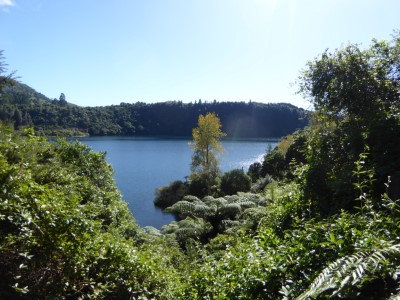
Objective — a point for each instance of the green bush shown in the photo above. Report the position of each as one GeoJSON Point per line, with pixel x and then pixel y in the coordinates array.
{"type": "Point", "coordinates": [254, 171]}
{"type": "Point", "coordinates": [235, 181]}
{"type": "Point", "coordinates": [203, 184]}
{"type": "Point", "coordinates": [170, 194]}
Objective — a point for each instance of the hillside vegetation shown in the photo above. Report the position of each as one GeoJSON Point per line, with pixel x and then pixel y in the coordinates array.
{"type": "Point", "coordinates": [23, 107]}
{"type": "Point", "coordinates": [322, 220]}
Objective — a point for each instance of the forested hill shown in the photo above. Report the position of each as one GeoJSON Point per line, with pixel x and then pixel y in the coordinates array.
{"type": "Point", "coordinates": [239, 119]}
{"type": "Point", "coordinates": [23, 106]}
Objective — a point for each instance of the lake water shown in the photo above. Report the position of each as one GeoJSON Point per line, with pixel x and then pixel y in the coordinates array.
{"type": "Point", "coordinates": [141, 165]}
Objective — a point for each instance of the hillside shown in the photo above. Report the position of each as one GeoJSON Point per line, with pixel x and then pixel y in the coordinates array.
{"type": "Point", "coordinates": [22, 106]}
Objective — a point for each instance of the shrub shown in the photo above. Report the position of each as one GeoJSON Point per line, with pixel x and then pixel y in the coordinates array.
{"type": "Point", "coordinates": [260, 184]}
{"type": "Point", "coordinates": [235, 181]}
{"type": "Point", "coordinates": [254, 171]}
{"type": "Point", "coordinates": [203, 184]}
{"type": "Point", "coordinates": [170, 194]}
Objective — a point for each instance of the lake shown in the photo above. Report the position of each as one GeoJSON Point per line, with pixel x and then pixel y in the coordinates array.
{"type": "Point", "coordinates": [141, 165]}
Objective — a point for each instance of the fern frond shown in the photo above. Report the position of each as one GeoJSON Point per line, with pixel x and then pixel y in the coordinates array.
{"type": "Point", "coordinates": [230, 223]}
{"type": "Point", "coordinates": [169, 228]}
{"type": "Point", "coordinates": [192, 228]}
{"type": "Point", "coordinates": [182, 208]}
{"type": "Point", "coordinates": [230, 211]}
{"type": "Point", "coordinates": [230, 226]}
{"type": "Point", "coordinates": [190, 198]}
{"type": "Point", "coordinates": [256, 198]}
{"type": "Point", "coordinates": [349, 270]}
{"type": "Point", "coordinates": [246, 204]}
{"type": "Point", "coordinates": [208, 198]}
{"type": "Point", "coordinates": [232, 199]}
{"type": "Point", "coordinates": [204, 211]}
{"type": "Point", "coordinates": [198, 202]}
{"type": "Point", "coordinates": [252, 216]}
{"type": "Point", "coordinates": [215, 202]}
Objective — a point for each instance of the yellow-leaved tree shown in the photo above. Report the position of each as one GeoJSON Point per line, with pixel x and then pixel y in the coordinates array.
{"type": "Point", "coordinates": [206, 146]}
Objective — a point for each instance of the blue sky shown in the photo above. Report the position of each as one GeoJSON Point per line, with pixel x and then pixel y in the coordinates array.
{"type": "Point", "coordinates": [103, 52]}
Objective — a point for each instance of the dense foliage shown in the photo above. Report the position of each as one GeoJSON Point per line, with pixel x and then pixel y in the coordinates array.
{"type": "Point", "coordinates": [357, 95]}
{"type": "Point", "coordinates": [64, 230]}
{"type": "Point", "coordinates": [235, 181]}
{"type": "Point", "coordinates": [206, 178]}
{"type": "Point", "coordinates": [240, 120]}
{"type": "Point", "coordinates": [204, 219]}
{"type": "Point", "coordinates": [322, 220]}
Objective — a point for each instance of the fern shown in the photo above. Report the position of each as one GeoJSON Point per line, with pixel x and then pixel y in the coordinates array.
{"type": "Point", "coordinates": [206, 199]}
{"type": "Point", "coordinates": [219, 202]}
{"type": "Point", "coordinates": [225, 224]}
{"type": "Point", "coordinates": [231, 210]}
{"type": "Point", "coordinates": [192, 228]}
{"type": "Point", "coordinates": [204, 211]}
{"type": "Point", "coordinates": [182, 208]}
{"type": "Point", "coordinates": [246, 204]}
{"type": "Point", "coordinates": [190, 198]}
{"type": "Point", "coordinates": [349, 270]}
{"type": "Point", "coordinates": [252, 216]}
{"type": "Point", "coordinates": [232, 199]}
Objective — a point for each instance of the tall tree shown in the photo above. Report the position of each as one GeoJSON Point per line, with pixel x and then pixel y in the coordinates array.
{"type": "Point", "coordinates": [4, 79]}
{"type": "Point", "coordinates": [62, 99]}
{"type": "Point", "coordinates": [356, 96]}
{"type": "Point", "coordinates": [206, 144]}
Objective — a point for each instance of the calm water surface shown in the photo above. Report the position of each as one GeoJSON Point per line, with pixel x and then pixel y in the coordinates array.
{"type": "Point", "coordinates": [141, 165]}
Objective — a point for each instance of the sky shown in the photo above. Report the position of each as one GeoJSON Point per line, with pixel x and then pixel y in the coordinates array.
{"type": "Point", "coordinates": [103, 52]}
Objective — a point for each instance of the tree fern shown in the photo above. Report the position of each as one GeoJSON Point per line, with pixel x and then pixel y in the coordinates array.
{"type": "Point", "coordinates": [207, 198]}
{"type": "Point", "coordinates": [223, 214]}
{"type": "Point", "coordinates": [230, 211]}
{"type": "Point", "coordinates": [194, 228]}
{"type": "Point", "coordinates": [232, 199]}
{"type": "Point", "coordinates": [246, 204]}
{"type": "Point", "coordinates": [226, 224]}
{"type": "Point", "coordinates": [350, 270]}
{"type": "Point", "coordinates": [183, 208]}
{"type": "Point", "coordinates": [252, 216]}
{"type": "Point", "coordinates": [204, 211]}
{"type": "Point", "coordinates": [219, 202]}
{"type": "Point", "coordinates": [190, 198]}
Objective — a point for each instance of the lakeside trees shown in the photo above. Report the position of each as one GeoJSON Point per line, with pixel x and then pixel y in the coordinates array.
{"type": "Point", "coordinates": [170, 118]}
{"type": "Point", "coordinates": [206, 144]}
{"type": "Point", "coordinates": [240, 120]}
{"type": "Point", "coordinates": [204, 179]}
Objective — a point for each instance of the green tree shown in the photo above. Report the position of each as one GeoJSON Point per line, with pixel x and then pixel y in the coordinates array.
{"type": "Point", "coordinates": [170, 194]}
{"type": "Point", "coordinates": [206, 144]}
{"type": "Point", "coordinates": [356, 96]}
{"type": "Point", "coordinates": [235, 181]}
{"type": "Point", "coordinates": [202, 219]}
{"type": "Point", "coordinates": [355, 83]}
{"type": "Point", "coordinates": [254, 171]}
{"type": "Point", "coordinates": [4, 79]}
{"type": "Point", "coordinates": [62, 99]}
{"type": "Point", "coordinates": [17, 119]}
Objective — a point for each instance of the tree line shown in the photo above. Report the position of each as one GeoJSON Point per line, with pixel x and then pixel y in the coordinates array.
{"type": "Point", "coordinates": [22, 107]}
